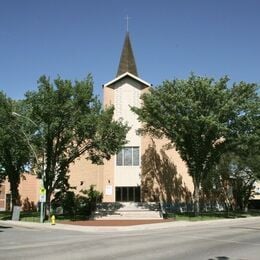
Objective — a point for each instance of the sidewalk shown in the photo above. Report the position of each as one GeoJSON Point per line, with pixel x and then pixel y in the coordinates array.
{"type": "Point", "coordinates": [117, 223]}
{"type": "Point", "coordinates": [87, 226]}
{"type": "Point", "coordinates": [92, 225]}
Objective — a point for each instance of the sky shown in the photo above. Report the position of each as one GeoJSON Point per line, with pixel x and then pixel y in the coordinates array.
{"type": "Point", "coordinates": [170, 39]}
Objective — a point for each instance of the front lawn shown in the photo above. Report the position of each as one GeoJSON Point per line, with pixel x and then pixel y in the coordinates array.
{"type": "Point", "coordinates": [5, 215]}
{"type": "Point", "coordinates": [35, 217]}
{"type": "Point", "coordinates": [189, 216]}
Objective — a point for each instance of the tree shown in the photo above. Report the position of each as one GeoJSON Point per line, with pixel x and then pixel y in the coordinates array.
{"type": "Point", "coordinates": [14, 150]}
{"type": "Point", "coordinates": [200, 117]}
{"type": "Point", "coordinates": [71, 123]}
{"type": "Point", "coordinates": [235, 177]}
{"type": "Point", "coordinates": [229, 183]}
{"type": "Point", "coordinates": [243, 157]}
{"type": "Point", "coordinates": [239, 166]}
{"type": "Point", "coordinates": [242, 181]}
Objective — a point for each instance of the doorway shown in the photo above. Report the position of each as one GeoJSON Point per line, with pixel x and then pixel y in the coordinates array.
{"type": "Point", "coordinates": [128, 194]}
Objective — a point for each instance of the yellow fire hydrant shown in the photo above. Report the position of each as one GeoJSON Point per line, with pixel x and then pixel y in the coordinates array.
{"type": "Point", "coordinates": [53, 219]}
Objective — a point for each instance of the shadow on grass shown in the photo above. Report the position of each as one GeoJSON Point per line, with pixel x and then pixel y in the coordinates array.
{"type": "Point", "coordinates": [72, 218]}
{"type": "Point", "coordinates": [5, 215]}
{"type": "Point", "coordinates": [210, 215]}
{"type": "Point", "coordinates": [6, 218]}
{"type": "Point", "coordinates": [34, 216]}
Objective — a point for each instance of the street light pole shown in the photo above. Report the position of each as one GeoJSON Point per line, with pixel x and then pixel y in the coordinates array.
{"type": "Point", "coordinates": [42, 190]}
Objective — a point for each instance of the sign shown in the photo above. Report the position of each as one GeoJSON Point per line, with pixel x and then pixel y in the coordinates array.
{"type": "Point", "coordinates": [42, 194]}
{"type": "Point", "coordinates": [16, 213]}
{"type": "Point", "coordinates": [42, 190]}
{"type": "Point", "coordinates": [43, 198]}
{"type": "Point", "coordinates": [109, 190]}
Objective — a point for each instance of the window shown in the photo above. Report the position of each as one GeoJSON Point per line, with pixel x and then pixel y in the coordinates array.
{"type": "Point", "coordinates": [119, 158]}
{"type": "Point", "coordinates": [128, 156]}
{"type": "Point", "coordinates": [128, 151]}
{"type": "Point", "coordinates": [136, 156]}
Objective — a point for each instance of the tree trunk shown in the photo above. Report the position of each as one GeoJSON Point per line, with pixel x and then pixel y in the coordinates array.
{"type": "Point", "coordinates": [14, 192]}
{"type": "Point", "coordinates": [196, 198]}
{"type": "Point", "coordinates": [48, 206]}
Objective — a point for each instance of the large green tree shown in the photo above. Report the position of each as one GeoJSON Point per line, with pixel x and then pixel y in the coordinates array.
{"type": "Point", "coordinates": [14, 150]}
{"type": "Point", "coordinates": [201, 117]}
{"type": "Point", "coordinates": [72, 123]}
{"type": "Point", "coordinates": [231, 181]}
{"type": "Point", "coordinates": [239, 168]}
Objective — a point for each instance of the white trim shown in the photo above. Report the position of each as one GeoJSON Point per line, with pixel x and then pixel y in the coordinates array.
{"type": "Point", "coordinates": [124, 75]}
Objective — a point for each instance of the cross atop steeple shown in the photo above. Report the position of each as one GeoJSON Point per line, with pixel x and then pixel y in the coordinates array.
{"type": "Point", "coordinates": [127, 60]}
{"type": "Point", "coordinates": [127, 22]}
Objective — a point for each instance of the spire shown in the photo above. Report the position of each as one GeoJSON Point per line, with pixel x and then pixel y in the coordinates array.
{"type": "Point", "coordinates": [127, 60]}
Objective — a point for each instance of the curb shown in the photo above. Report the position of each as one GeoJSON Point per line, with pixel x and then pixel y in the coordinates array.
{"type": "Point", "coordinates": [154, 226]}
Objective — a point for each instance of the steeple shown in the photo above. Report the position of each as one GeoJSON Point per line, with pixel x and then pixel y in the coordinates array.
{"type": "Point", "coordinates": [127, 60]}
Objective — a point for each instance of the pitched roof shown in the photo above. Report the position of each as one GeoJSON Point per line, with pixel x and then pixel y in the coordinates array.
{"type": "Point", "coordinates": [127, 60]}
{"type": "Point", "coordinates": [127, 74]}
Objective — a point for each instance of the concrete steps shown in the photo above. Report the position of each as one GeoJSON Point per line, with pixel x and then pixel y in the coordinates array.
{"type": "Point", "coordinates": [127, 211]}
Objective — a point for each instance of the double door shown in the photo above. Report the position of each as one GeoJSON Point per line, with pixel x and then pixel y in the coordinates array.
{"type": "Point", "coordinates": [128, 194]}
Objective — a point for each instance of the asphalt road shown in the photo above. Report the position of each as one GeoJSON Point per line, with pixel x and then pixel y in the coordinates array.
{"type": "Point", "coordinates": [218, 240]}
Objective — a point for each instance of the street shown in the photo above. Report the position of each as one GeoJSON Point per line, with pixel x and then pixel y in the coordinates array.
{"type": "Point", "coordinates": [215, 240]}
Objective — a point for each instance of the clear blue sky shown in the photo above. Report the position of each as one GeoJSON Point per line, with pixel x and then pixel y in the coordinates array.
{"type": "Point", "coordinates": [170, 38]}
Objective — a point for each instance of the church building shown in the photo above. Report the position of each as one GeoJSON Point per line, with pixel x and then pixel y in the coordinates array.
{"type": "Point", "coordinates": [145, 169]}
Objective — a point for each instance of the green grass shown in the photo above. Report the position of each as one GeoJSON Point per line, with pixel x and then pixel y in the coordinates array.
{"type": "Point", "coordinates": [24, 216]}
{"type": "Point", "coordinates": [35, 216]}
{"type": "Point", "coordinates": [211, 215]}
{"type": "Point", "coordinates": [180, 217]}
{"type": "Point", "coordinates": [5, 215]}
{"type": "Point", "coordinates": [30, 216]}
{"type": "Point", "coordinates": [61, 218]}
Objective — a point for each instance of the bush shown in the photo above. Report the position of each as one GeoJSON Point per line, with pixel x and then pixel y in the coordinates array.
{"type": "Point", "coordinates": [28, 205]}
{"type": "Point", "coordinates": [78, 204]}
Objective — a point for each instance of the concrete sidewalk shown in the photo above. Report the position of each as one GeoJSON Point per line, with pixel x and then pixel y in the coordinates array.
{"type": "Point", "coordinates": [89, 228]}
{"type": "Point", "coordinates": [95, 229]}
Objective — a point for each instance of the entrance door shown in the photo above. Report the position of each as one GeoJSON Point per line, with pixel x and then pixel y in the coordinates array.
{"type": "Point", "coordinates": [127, 194]}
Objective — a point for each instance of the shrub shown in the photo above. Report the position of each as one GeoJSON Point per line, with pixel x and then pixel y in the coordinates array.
{"type": "Point", "coordinates": [80, 204]}
{"type": "Point", "coordinates": [28, 205]}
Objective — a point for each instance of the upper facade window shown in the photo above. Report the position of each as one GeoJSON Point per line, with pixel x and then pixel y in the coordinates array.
{"type": "Point", "coordinates": [128, 156]}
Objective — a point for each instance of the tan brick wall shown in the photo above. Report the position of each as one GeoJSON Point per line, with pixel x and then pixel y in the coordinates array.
{"type": "Point", "coordinates": [109, 179]}
{"type": "Point", "coordinates": [83, 174]}
{"type": "Point", "coordinates": [108, 96]}
{"type": "Point", "coordinates": [2, 204]}
{"type": "Point", "coordinates": [2, 191]}
{"type": "Point", "coordinates": [29, 189]}
{"type": "Point", "coordinates": [109, 166]}
{"type": "Point", "coordinates": [164, 173]}
{"type": "Point", "coordinates": [5, 189]}
{"type": "Point", "coordinates": [164, 163]}
{"type": "Point", "coordinates": [2, 196]}
{"type": "Point", "coordinates": [179, 163]}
